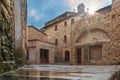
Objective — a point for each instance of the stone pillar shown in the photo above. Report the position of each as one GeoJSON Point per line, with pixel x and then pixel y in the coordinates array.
{"type": "Point", "coordinates": [21, 25]}
{"type": "Point", "coordinates": [86, 54]}
{"type": "Point", "coordinates": [73, 56]}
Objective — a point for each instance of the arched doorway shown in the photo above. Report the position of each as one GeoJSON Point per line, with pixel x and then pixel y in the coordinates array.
{"type": "Point", "coordinates": [67, 56]}
{"type": "Point", "coordinates": [89, 45]}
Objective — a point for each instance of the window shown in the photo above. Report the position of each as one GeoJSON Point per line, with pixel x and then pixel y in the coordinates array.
{"type": "Point", "coordinates": [56, 41]}
{"type": "Point", "coordinates": [65, 23]}
{"type": "Point", "coordinates": [55, 27]}
{"type": "Point", "coordinates": [113, 16]}
{"type": "Point", "coordinates": [65, 38]}
{"type": "Point", "coordinates": [72, 21]}
{"type": "Point", "coordinates": [95, 52]}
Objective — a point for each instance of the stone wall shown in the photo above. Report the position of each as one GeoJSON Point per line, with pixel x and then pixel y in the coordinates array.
{"type": "Point", "coordinates": [24, 26]}
{"type": "Point", "coordinates": [10, 21]}
{"type": "Point", "coordinates": [7, 33]}
{"type": "Point", "coordinates": [34, 51]}
{"type": "Point", "coordinates": [34, 33]}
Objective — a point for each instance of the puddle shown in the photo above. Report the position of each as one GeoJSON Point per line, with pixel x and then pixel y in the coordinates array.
{"type": "Point", "coordinates": [8, 77]}
{"type": "Point", "coordinates": [53, 72]}
{"type": "Point", "coordinates": [39, 75]}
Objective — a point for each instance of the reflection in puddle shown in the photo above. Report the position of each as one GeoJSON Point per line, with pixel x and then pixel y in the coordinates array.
{"type": "Point", "coordinates": [39, 75]}
{"type": "Point", "coordinates": [6, 77]}
{"type": "Point", "coordinates": [54, 72]}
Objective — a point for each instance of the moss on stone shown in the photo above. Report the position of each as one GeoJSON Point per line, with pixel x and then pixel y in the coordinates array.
{"type": "Point", "coordinates": [19, 57]}
{"type": "Point", "coordinates": [6, 37]}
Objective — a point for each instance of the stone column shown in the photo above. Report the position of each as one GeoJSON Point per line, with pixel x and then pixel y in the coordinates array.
{"type": "Point", "coordinates": [73, 56]}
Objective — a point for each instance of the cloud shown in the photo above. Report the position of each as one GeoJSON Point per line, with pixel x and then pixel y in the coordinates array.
{"type": "Point", "coordinates": [91, 4]}
{"type": "Point", "coordinates": [72, 4]}
{"type": "Point", "coordinates": [34, 14]}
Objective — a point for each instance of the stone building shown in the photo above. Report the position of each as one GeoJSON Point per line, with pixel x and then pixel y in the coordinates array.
{"type": "Point", "coordinates": [81, 38]}
{"type": "Point", "coordinates": [40, 51]}
{"type": "Point", "coordinates": [59, 33]}
{"type": "Point", "coordinates": [95, 39]}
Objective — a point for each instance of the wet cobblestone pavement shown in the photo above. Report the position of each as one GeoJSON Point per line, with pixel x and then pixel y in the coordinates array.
{"type": "Point", "coordinates": [62, 72]}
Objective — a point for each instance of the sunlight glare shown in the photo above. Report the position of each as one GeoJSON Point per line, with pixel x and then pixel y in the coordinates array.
{"type": "Point", "coordinates": [91, 11]}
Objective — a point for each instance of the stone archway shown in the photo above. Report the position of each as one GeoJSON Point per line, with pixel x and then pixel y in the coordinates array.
{"type": "Point", "coordinates": [93, 36]}
{"type": "Point", "coordinates": [90, 43]}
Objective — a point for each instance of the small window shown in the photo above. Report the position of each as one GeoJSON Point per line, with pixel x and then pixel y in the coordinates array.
{"type": "Point", "coordinates": [55, 27]}
{"type": "Point", "coordinates": [56, 41]}
{"type": "Point", "coordinates": [65, 23]}
{"type": "Point", "coordinates": [65, 38]}
{"type": "Point", "coordinates": [113, 16]}
{"type": "Point", "coordinates": [72, 21]}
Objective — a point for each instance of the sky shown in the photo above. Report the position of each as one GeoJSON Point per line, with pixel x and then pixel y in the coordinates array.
{"type": "Point", "coordinates": [41, 11]}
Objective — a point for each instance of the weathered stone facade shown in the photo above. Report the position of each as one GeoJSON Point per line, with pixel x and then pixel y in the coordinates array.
{"type": "Point", "coordinates": [90, 39]}
{"type": "Point", "coordinates": [8, 15]}
{"type": "Point", "coordinates": [102, 30]}
{"type": "Point", "coordinates": [34, 33]}
{"type": "Point", "coordinates": [57, 30]}
{"type": "Point", "coordinates": [20, 31]}
{"type": "Point", "coordinates": [7, 34]}
{"type": "Point", "coordinates": [21, 25]}
{"type": "Point", "coordinates": [40, 51]}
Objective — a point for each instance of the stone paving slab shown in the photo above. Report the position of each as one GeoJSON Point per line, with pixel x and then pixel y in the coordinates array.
{"type": "Point", "coordinates": [76, 72]}
{"type": "Point", "coordinates": [62, 72]}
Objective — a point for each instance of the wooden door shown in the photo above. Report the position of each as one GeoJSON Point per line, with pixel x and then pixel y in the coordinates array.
{"type": "Point", "coordinates": [44, 56]}
{"type": "Point", "coordinates": [95, 52]}
{"type": "Point", "coordinates": [78, 51]}
{"type": "Point", "coordinates": [67, 56]}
